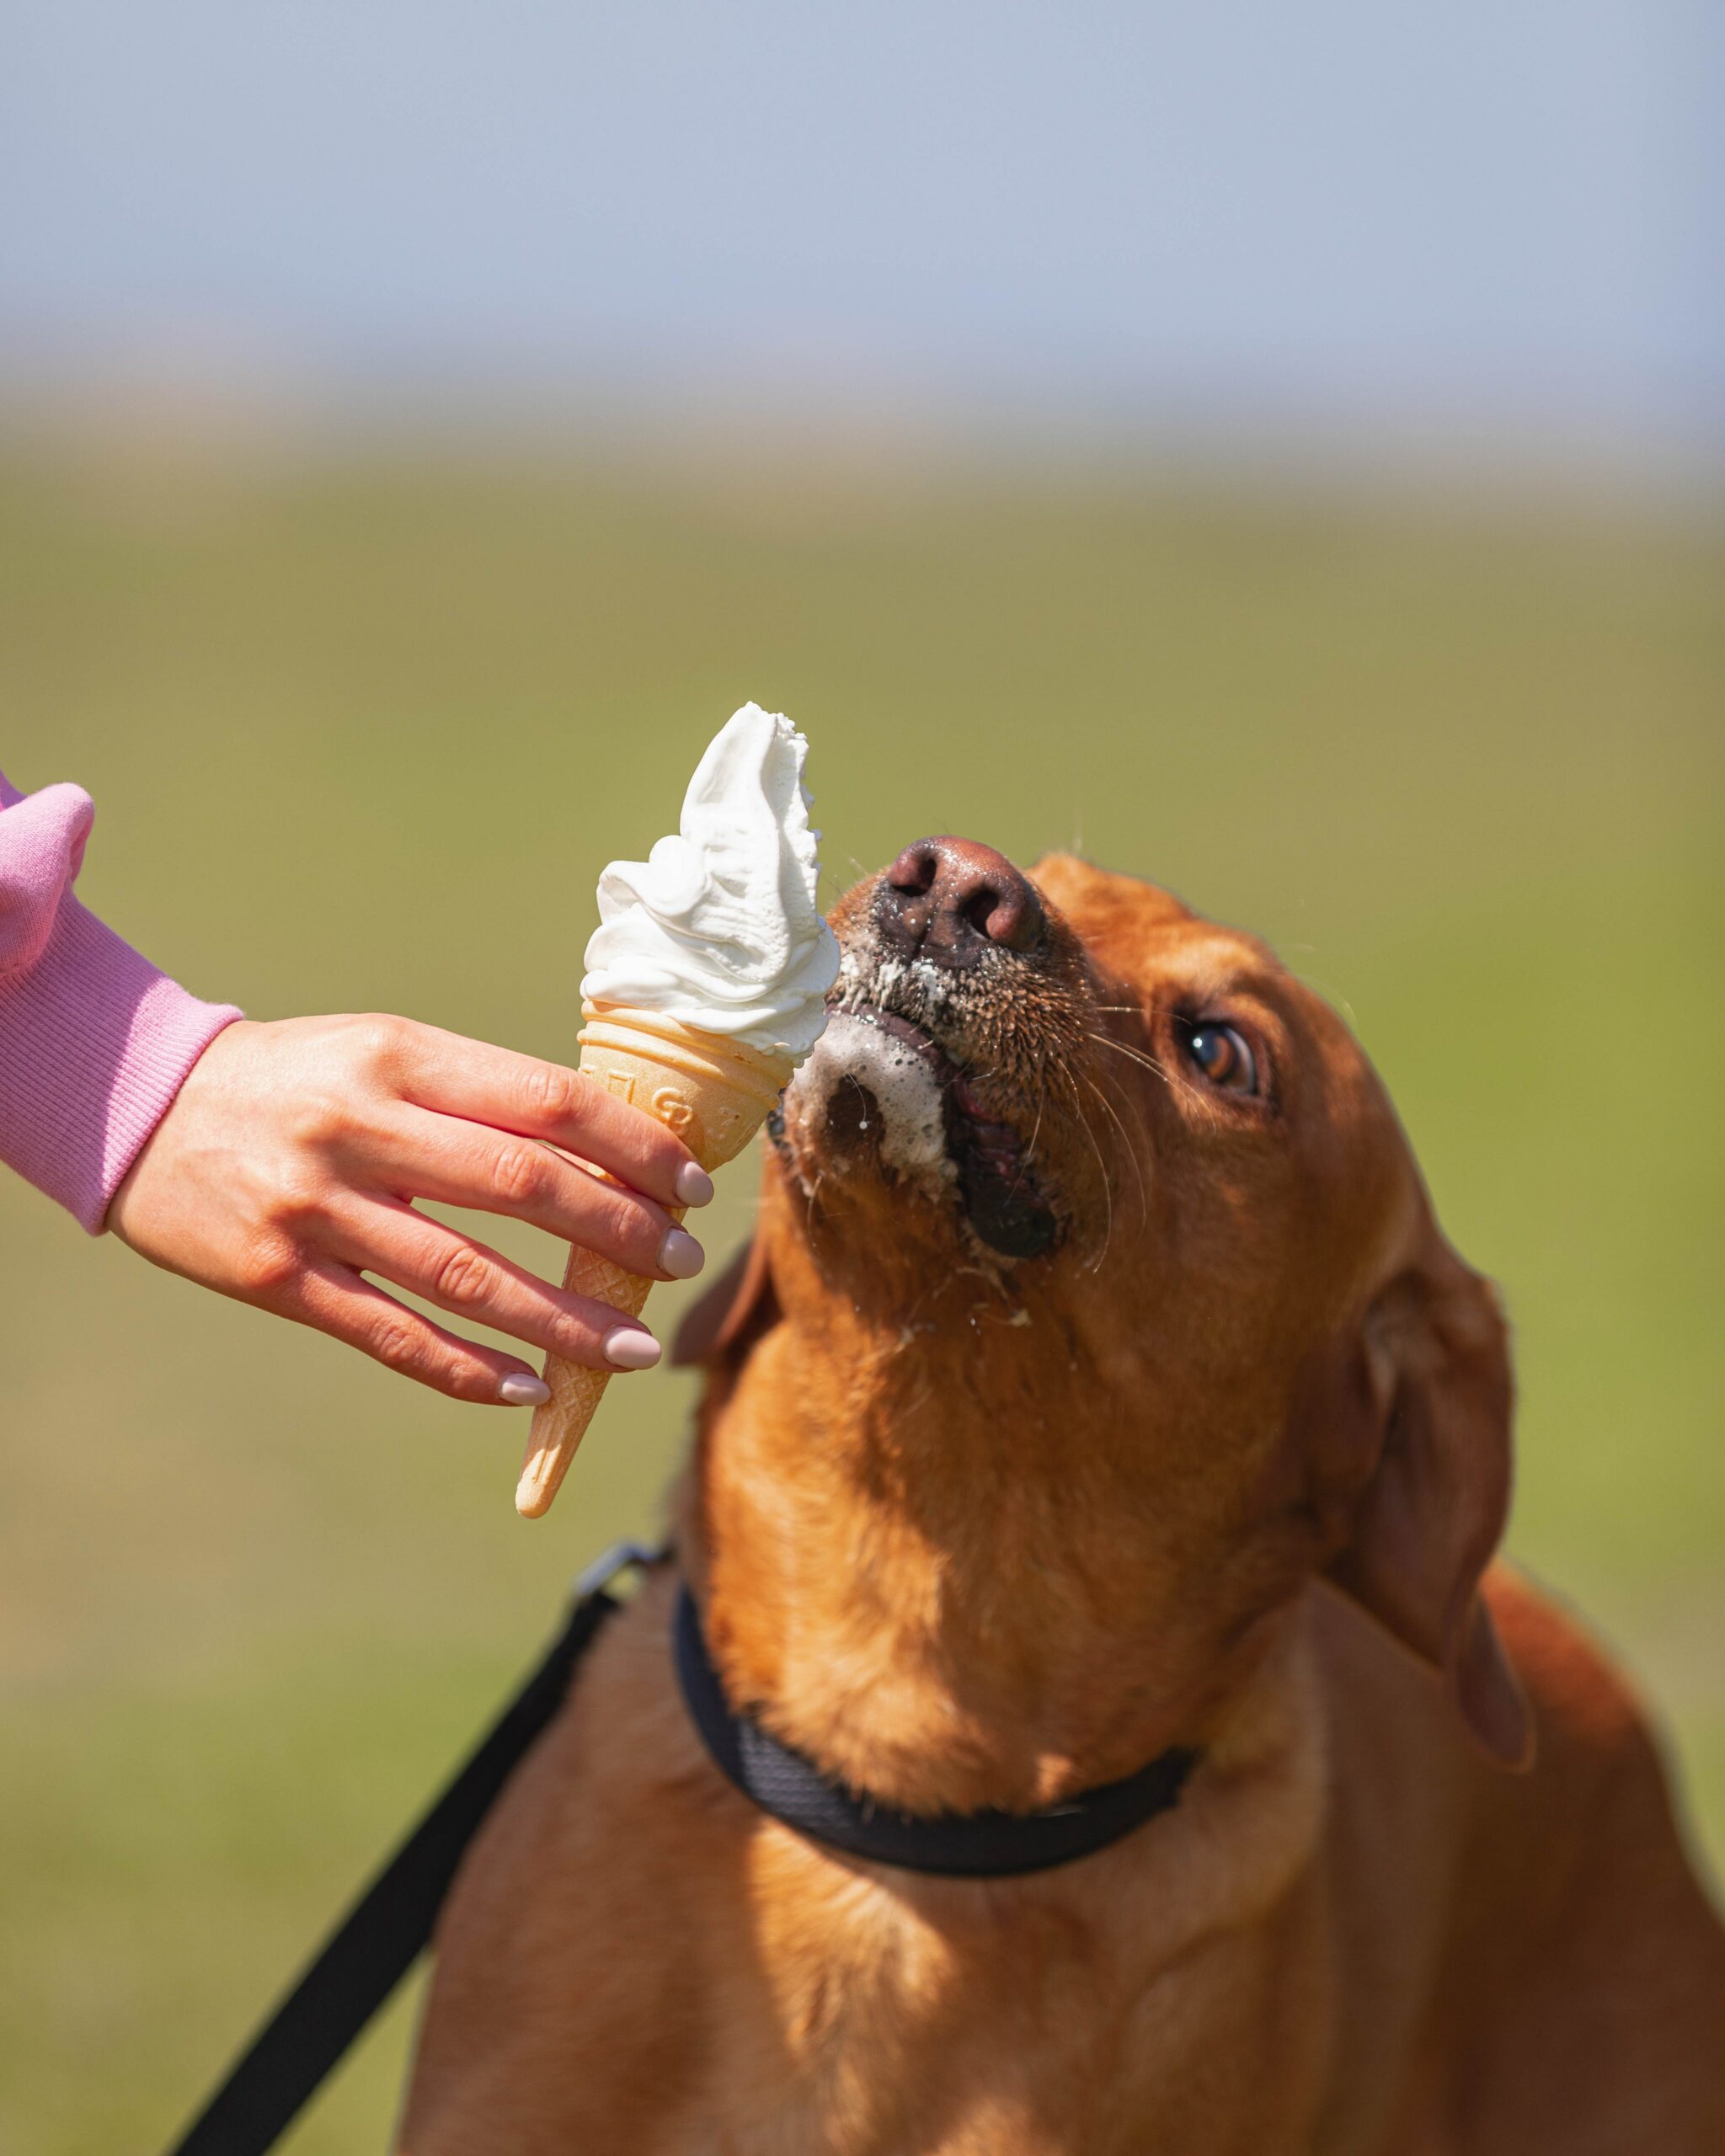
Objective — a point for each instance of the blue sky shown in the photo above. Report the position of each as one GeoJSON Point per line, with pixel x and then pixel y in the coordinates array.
{"type": "Point", "coordinates": [1323, 204]}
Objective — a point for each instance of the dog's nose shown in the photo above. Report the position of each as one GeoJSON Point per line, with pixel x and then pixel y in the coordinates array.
{"type": "Point", "coordinates": [952, 900]}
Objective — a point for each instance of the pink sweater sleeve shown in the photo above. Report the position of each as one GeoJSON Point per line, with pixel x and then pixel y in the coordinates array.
{"type": "Point", "coordinates": [94, 1041]}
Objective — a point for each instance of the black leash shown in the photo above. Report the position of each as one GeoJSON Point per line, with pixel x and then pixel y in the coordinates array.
{"type": "Point", "coordinates": [391, 1923]}
{"type": "Point", "coordinates": [382, 1936]}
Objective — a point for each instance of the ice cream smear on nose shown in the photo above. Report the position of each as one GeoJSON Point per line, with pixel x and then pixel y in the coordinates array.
{"type": "Point", "coordinates": [718, 927]}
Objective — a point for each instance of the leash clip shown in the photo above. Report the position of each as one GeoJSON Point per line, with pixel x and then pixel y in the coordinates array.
{"type": "Point", "coordinates": [611, 1564]}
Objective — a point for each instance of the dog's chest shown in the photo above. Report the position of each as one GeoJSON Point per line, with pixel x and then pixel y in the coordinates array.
{"type": "Point", "coordinates": [1014, 2018]}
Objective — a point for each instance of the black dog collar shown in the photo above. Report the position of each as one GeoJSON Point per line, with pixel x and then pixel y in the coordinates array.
{"type": "Point", "coordinates": [957, 1845]}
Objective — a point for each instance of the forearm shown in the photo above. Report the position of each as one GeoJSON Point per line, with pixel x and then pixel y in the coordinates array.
{"type": "Point", "coordinates": [94, 1041]}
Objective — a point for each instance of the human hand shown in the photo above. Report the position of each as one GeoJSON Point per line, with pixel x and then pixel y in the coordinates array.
{"type": "Point", "coordinates": [285, 1169]}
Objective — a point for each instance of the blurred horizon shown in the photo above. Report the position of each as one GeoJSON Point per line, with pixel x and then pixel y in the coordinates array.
{"type": "Point", "coordinates": [1482, 237]}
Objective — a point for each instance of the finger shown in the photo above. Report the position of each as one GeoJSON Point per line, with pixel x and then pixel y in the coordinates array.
{"type": "Point", "coordinates": [333, 1297]}
{"type": "Point", "coordinates": [494, 1086]}
{"type": "Point", "coordinates": [448, 1269]}
{"type": "Point", "coordinates": [413, 1153]}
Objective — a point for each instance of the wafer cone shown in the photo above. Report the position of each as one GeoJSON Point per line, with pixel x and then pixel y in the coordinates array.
{"type": "Point", "coordinates": [715, 1094]}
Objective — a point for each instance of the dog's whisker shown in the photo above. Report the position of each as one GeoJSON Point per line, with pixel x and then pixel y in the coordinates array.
{"type": "Point", "coordinates": [1131, 1150]}
{"type": "Point", "coordinates": [1132, 1055]}
{"type": "Point", "coordinates": [1036, 1128]}
{"type": "Point", "coordinates": [1109, 1110]}
{"type": "Point", "coordinates": [1083, 1122]}
{"type": "Point", "coordinates": [1171, 1079]}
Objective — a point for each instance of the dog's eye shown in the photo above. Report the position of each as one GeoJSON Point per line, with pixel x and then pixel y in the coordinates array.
{"type": "Point", "coordinates": [1222, 1055]}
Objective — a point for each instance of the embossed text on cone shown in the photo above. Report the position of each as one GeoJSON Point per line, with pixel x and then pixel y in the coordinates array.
{"type": "Point", "coordinates": [715, 1094]}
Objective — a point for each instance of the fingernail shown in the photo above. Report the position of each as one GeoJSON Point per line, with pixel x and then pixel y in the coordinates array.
{"type": "Point", "coordinates": [693, 1186]}
{"type": "Point", "coordinates": [681, 1256]}
{"type": "Point", "coordinates": [521, 1389]}
{"type": "Point", "coordinates": [630, 1348]}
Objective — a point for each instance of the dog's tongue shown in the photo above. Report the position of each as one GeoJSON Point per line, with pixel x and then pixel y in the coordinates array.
{"type": "Point", "coordinates": [718, 927]}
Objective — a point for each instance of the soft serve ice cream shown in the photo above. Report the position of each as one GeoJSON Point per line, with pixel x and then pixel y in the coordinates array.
{"type": "Point", "coordinates": [706, 986]}
{"type": "Point", "coordinates": [718, 927]}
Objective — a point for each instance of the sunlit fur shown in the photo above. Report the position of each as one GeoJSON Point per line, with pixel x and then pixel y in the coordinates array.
{"type": "Point", "coordinates": [1223, 1466]}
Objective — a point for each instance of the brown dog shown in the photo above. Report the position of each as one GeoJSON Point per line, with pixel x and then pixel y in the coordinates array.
{"type": "Point", "coordinates": [1099, 1383]}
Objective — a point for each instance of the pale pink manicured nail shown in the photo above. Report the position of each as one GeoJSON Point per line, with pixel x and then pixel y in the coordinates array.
{"type": "Point", "coordinates": [693, 1186]}
{"type": "Point", "coordinates": [681, 1256]}
{"type": "Point", "coordinates": [521, 1389]}
{"type": "Point", "coordinates": [630, 1347]}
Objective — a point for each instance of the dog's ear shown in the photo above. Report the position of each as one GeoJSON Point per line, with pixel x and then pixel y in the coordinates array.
{"type": "Point", "coordinates": [732, 1315]}
{"type": "Point", "coordinates": [1432, 1374]}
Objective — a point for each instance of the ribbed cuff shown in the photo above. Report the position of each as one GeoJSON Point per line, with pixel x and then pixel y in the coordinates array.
{"type": "Point", "coordinates": [94, 1043]}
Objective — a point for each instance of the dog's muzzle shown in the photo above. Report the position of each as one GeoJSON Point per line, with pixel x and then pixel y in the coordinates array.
{"type": "Point", "coordinates": [892, 1084]}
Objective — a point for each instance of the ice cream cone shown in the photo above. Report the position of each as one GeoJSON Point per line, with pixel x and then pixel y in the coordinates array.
{"type": "Point", "coordinates": [714, 1093]}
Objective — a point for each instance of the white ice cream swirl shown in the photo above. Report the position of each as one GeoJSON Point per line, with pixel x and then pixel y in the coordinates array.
{"type": "Point", "coordinates": [718, 926]}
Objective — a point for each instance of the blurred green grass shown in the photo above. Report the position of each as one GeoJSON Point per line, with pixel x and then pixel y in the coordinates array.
{"type": "Point", "coordinates": [361, 734]}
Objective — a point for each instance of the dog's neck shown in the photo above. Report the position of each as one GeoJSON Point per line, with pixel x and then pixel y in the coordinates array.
{"type": "Point", "coordinates": [927, 1563]}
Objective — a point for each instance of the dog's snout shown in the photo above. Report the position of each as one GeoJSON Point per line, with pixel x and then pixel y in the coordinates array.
{"type": "Point", "coordinates": [951, 899]}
